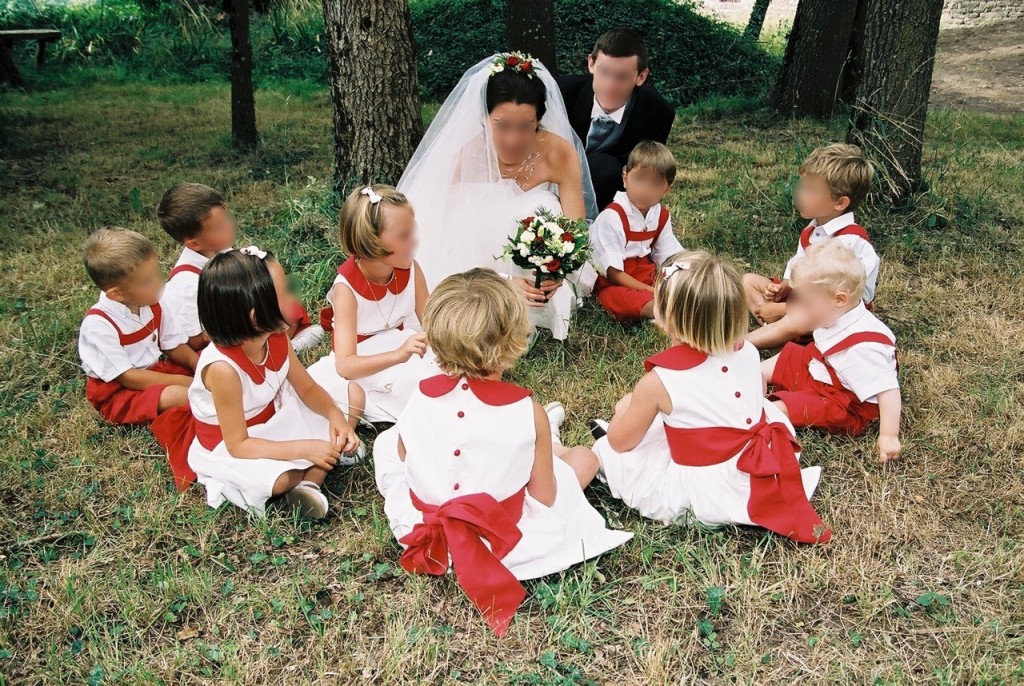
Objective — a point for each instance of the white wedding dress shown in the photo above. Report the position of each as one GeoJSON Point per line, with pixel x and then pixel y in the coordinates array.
{"type": "Point", "coordinates": [465, 210]}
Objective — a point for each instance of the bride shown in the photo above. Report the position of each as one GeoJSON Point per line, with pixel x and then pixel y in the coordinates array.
{"type": "Point", "coordinates": [500, 147]}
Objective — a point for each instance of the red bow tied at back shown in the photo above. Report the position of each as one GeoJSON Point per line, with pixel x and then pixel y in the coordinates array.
{"type": "Point", "coordinates": [458, 528]}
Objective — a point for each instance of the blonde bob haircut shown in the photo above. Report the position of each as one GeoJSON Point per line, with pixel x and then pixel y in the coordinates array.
{"type": "Point", "coordinates": [111, 254]}
{"type": "Point", "coordinates": [699, 300]}
{"type": "Point", "coordinates": [832, 266]}
{"type": "Point", "coordinates": [362, 220]}
{"type": "Point", "coordinates": [476, 323]}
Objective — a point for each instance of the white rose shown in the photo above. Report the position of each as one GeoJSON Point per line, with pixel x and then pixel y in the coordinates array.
{"type": "Point", "coordinates": [553, 228]}
{"type": "Point", "coordinates": [543, 270]}
{"type": "Point", "coordinates": [527, 236]}
{"type": "Point", "coordinates": [567, 247]}
{"type": "Point", "coordinates": [524, 251]}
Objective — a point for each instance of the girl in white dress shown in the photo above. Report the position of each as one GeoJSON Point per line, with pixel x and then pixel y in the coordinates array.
{"type": "Point", "coordinates": [474, 474]}
{"type": "Point", "coordinates": [251, 440]}
{"type": "Point", "coordinates": [376, 306]}
{"type": "Point", "coordinates": [696, 436]}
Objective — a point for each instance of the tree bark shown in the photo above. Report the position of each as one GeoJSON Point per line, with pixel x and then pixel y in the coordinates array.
{"type": "Point", "coordinates": [374, 88]}
{"type": "Point", "coordinates": [530, 28]}
{"type": "Point", "coordinates": [896, 60]}
{"type": "Point", "coordinates": [812, 69]}
{"type": "Point", "coordinates": [243, 104]}
{"type": "Point", "coordinates": [756, 21]}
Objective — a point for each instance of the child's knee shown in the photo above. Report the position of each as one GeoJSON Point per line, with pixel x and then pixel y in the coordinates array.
{"type": "Point", "coordinates": [287, 481]}
{"type": "Point", "coordinates": [356, 400]}
{"type": "Point", "coordinates": [173, 396]}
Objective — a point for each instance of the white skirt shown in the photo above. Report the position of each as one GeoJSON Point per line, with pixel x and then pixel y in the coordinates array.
{"type": "Point", "coordinates": [554, 538]}
{"type": "Point", "coordinates": [250, 483]}
{"type": "Point", "coordinates": [646, 479]}
{"type": "Point", "coordinates": [387, 391]}
{"type": "Point", "coordinates": [557, 313]}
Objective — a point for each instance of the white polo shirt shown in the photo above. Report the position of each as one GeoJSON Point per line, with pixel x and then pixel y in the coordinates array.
{"type": "Point", "coordinates": [866, 369]}
{"type": "Point", "coordinates": [182, 292]}
{"type": "Point", "coordinates": [864, 251]}
{"type": "Point", "coordinates": [609, 239]}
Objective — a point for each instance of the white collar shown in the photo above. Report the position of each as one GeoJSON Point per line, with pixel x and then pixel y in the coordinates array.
{"type": "Point", "coordinates": [191, 257]}
{"type": "Point", "coordinates": [840, 222]}
{"type": "Point", "coordinates": [117, 309]}
{"type": "Point", "coordinates": [616, 116]}
{"type": "Point", "coordinates": [653, 214]}
{"type": "Point", "coordinates": [838, 330]}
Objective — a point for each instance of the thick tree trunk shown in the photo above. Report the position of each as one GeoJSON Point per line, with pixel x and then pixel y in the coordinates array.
{"type": "Point", "coordinates": [372, 69]}
{"type": "Point", "coordinates": [896, 60]}
{"type": "Point", "coordinates": [812, 68]}
{"type": "Point", "coordinates": [530, 28]}
{"type": "Point", "coordinates": [243, 104]}
{"type": "Point", "coordinates": [756, 21]}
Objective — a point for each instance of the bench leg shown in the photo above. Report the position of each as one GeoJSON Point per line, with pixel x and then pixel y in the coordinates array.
{"type": "Point", "coordinates": [8, 68]}
{"type": "Point", "coordinates": [41, 52]}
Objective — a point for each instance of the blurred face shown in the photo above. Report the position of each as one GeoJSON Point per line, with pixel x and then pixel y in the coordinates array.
{"type": "Point", "coordinates": [813, 198]}
{"type": "Point", "coordinates": [290, 306]}
{"type": "Point", "coordinates": [614, 79]}
{"type": "Point", "coordinates": [645, 187]}
{"type": "Point", "coordinates": [514, 129]}
{"type": "Point", "coordinates": [814, 307]}
{"type": "Point", "coordinates": [142, 288]}
{"type": "Point", "coordinates": [217, 233]}
{"type": "Point", "coordinates": [398, 235]}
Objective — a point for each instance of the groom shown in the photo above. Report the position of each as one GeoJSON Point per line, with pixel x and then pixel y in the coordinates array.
{"type": "Point", "coordinates": [613, 108]}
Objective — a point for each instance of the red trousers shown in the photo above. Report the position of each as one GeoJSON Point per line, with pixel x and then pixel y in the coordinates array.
{"type": "Point", "coordinates": [120, 405]}
{"type": "Point", "coordinates": [625, 304]}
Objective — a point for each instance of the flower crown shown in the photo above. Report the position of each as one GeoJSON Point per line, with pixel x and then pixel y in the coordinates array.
{"type": "Point", "coordinates": [516, 61]}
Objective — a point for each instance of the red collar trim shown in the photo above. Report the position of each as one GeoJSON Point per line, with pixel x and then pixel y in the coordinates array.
{"type": "Point", "coordinates": [277, 354]}
{"type": "Point", "coordinates": [496, 393]}
{"type": "Point", "coordinates": [372, 291]}
{"type": "Point", "coordinates": [678, 357]}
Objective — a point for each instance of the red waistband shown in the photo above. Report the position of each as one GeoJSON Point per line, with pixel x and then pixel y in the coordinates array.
{"type": "Point", "coordinates": [210, 435]}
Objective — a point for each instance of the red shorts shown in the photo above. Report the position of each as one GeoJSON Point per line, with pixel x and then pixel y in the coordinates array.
{"type": "Point", "coordinates": [302, 318]}
{"type": "Point", "coordinates": [625, 304]}
{"type": "Point", "coordinates": [120, 405]}
{"type": "Point", "coordinates": [813, 403]}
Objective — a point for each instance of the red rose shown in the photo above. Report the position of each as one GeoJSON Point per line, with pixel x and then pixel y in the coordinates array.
{"type": "Point", "coordinates": [513, 61]}
{"type": "Point", "coordinates": [568, 238]}
{"type": "Point", "coordinates": [528, 221]}
{"type": "Point", "coordinates": [554, 265]}
{"type": "Point", "coordinates": [539, 240]}
{"type": "Point", "coordinates": [526, 67]}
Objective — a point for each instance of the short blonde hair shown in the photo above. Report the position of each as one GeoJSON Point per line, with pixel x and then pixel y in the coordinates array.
{"type": "Point", "coordinates": [833, 266]}
{"type": "Point", "coordinates": [362, 220]}
{"type": "Point", "coordinates": [476, 323]}
{"type": "Point", "coordinates": [844, 169]}
{"type": "Point", "coordinates": [698, 298]}
{"type": "Point", "coordinates": [111, 254]}
{"type": "Point", "coordinates": [652, 155]}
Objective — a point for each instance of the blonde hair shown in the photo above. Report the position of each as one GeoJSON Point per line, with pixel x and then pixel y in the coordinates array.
{"type": "Point", "coordinates": [653, 155]}
{"type": "Point", "coordinates": [844, 169]}
{"type": "Point", "coordinates": [833, 266]}
{"type": "Point", "coordinates": [698, 298]}
{"type": "Point", "coordinates": [476, 323]}
{"type": "Point", "coordinates": [111, 254]}
{"type": "Point", "coordinates": [362, 220]}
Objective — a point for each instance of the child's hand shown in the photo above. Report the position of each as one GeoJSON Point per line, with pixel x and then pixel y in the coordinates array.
{"type": "Point", "coordinates": [342, 434]}
{"type": "Point", "coordinates": [322, 454]}
{"type": "Point", "coordinates": [414, 345]}
{"type": "Point", "coordinates": [623, 404]}
{"type": "Point", "coordinates": [888, 448]}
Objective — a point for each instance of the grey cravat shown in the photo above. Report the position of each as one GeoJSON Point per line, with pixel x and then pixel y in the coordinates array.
{"type": "Point", "coordinates": [600, 129]}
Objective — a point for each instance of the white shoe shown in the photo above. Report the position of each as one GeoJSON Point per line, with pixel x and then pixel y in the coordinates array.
{"type": "Point", "coordinates": [308, 499]}
{"type": "Point", "coordinates": [556, 416]}
{"type": "Point", "coordinates": [308, 338]}
{"type": "Point", "coordinates": [354, 457]}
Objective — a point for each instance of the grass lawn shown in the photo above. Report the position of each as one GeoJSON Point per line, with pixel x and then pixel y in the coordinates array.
{"type": "Point", "coordinates": [109, 576]}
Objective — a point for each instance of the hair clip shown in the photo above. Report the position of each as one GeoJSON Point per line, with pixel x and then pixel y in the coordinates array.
{"type": "Point", "coordinates": [673, 268]}
{"type": "Point", "coordinates": [374, 198]}
{"type": "Point", "coordinates": [254, 251]}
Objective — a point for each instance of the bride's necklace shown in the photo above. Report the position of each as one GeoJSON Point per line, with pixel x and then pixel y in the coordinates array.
{"type": "Point", "coordinates": [394, 301]}
{"type": "Point", "coordinates": [524, 171]}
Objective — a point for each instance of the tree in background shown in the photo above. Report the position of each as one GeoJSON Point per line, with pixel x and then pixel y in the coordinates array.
{"type": "Point", "coordinates": [374, 89]}
{"type": "Point", "coordinates": [243, 103]}
{"type": "Point", "coordinates": [530, 28]}
{"type": "Point", "coordinates": [756, 21]}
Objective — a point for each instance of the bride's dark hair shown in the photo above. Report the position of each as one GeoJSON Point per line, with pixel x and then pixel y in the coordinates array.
{"type": "Point", "coordinates": [518, 88]}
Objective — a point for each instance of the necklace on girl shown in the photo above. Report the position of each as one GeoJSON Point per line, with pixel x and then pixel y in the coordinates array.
{"type": "Point", "coordinates": [376, 301]}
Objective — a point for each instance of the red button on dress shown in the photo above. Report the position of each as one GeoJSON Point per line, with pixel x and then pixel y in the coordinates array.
{"type": "Point", "coordinates": [465, 386]}
{"type": "Point", "coordinates": [457, 453]}
{"type": "Point", "coordinates": [461, 414]}
{"type": "Point", "coordinates": [455, 487]}
{"type": "Point", "coordinates": [725, 369]}
{"type": "Point", "coordinates": [738, 394]}
{"type": "Point", "coordinates": [749, 420]}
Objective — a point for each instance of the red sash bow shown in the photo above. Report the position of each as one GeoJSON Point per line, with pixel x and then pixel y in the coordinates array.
{"type": "Point", "coordinates": [458, 528]}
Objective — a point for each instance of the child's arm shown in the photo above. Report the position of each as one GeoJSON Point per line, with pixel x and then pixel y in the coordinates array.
{"type": "Point", "coordinates": [183, 355]}
{"type": "Point", "coordinates": [347, 362]}
{"type": "Point", "coordinates": [199, 341]}
{"type": "Point", "coordinates": [226, 388]}
{"type": "Point", "coordinates": [421, 293]}
{"type": "Point", "coordinates": [141, 379]}
{"type": "Point", "coordinates": [621, 278]}
{"type": "Point", "coordinates": [542, 486]}
{"type": "Point", "coordinates": [635, 413]}
{"type": "Point", "coordinates": [317, 399]}
{"type": "Point", "coordinates": [890, 405]}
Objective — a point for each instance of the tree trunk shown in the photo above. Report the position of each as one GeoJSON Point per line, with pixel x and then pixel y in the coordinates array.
{"type": "Point", "coordinates": [896, 59]}
{"type": "Point", "coordinates": [812, 68]}
{"type": "Point", "coordinates": [243, 105]}
{"type": "Point", "coordinates": [372, 70]}
{"type": "Point", "coordinates": [530, 28]}
{"type": "Point", "coordinates": [756, 21]}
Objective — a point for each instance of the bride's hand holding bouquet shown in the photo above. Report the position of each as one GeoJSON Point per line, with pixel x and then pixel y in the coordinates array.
{"type": "Point", "coordinates": [552, 247]}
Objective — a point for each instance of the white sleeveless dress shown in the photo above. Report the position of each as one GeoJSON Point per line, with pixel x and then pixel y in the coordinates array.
{"type": "Point", "coordinates": [385, 320]}
{"type": "Point", "coordinates": [265, 391]}
{"type": "Point", "coordinates": [464, 437]}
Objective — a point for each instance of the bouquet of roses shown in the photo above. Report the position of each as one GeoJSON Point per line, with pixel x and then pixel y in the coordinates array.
{"type": "Point", "coordinates": [551, 245]}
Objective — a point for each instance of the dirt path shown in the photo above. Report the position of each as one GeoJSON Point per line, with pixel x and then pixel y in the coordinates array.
{"type": "Point", "coordinates": [981, 68]}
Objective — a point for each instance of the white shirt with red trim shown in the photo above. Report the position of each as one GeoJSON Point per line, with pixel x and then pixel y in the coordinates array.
{"type": "Point", "coordinates": [609, 239]}
{"type": "Point", "coordinates": [99, 345]}
{"type": "Point", "coordinates": [864, 251]}
{"type": "Point", "coordinates": [182, 291]}
{"type": "Point", "coordinates": [867, 368]}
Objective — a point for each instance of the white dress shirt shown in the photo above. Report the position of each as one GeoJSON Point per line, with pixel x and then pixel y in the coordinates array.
{"type": "Point", "coordinates": [866, 369]}
{"type": "Point", "coordinates": [863, 250]}
{"type": "Point", "coordinates": [609, 240]}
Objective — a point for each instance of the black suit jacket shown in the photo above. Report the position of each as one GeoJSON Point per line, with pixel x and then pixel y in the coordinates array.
{"type": "Point", "coordinates": [648, 118]}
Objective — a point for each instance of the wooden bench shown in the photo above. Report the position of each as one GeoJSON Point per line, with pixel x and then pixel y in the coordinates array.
{"type": "Point", "coordinates": [8, 68]}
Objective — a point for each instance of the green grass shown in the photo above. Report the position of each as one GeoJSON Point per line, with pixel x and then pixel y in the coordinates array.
{"type": "Point", "coordinates": [109, 576]}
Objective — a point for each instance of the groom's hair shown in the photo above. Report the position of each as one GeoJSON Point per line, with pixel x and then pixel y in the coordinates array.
{"type": "Point", "coordinates": [622, 42]}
